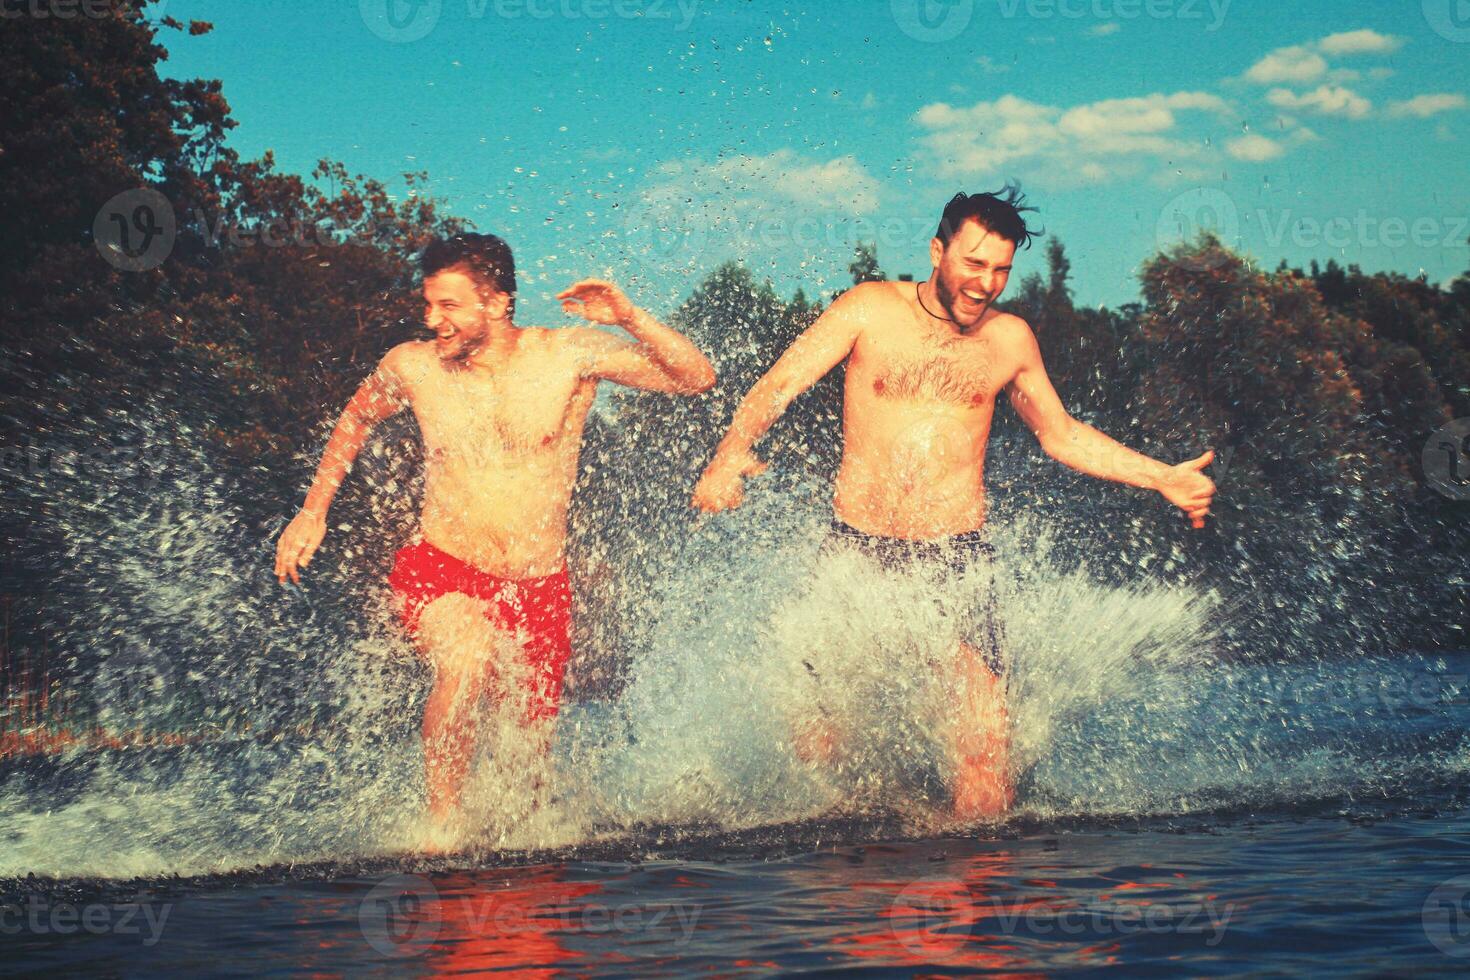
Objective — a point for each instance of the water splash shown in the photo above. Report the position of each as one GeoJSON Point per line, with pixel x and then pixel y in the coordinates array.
{"type": "Point", "coordinates": [297, 713]}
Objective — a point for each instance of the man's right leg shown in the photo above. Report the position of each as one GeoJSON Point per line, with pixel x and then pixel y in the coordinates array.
{"type": "Point", "coordinates": [465, 649]}
{"type": "Point", "coordinates": [814, 737]}
{"type": "Point", "coordinates": [980, 740]}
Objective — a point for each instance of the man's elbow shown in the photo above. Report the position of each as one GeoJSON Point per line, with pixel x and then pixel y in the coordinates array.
{"type": "Point", "coordinates": [1057, 442]}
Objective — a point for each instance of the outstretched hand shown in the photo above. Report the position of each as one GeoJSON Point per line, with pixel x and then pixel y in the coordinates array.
{"type": "Point", "coordinates": [597, 300]}
{"type": "Point", "coordinates": [297, 544]}
{"type": "Point", "coordinates": [1187, 488]}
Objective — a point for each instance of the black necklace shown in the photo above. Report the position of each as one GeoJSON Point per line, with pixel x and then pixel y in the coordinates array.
{"type": "Point", "coordinates": [919, 295]}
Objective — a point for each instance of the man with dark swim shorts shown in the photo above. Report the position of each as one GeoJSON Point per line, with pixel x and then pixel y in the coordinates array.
{"type": "Point", "coordinates": [483, 592]}
{"type": "Point", "coordinates": [925, 364]}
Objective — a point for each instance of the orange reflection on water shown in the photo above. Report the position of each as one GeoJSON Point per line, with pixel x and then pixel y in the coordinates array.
{"type": "Point", "coordinates": [932, 922]}
{"type": "Point", "coordinates": [512, 922]}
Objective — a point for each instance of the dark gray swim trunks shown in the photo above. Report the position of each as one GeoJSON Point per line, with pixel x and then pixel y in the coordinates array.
{"type": "Point", "coordinates": [956, 554]}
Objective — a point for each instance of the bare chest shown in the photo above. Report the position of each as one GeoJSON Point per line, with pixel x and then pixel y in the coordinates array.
{"type": "Point", "coordinates": [961, 373]}
{"type": "Point", "coordinates": [522, 410]}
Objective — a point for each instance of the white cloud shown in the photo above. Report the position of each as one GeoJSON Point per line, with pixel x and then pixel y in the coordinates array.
{"type": "Point", "coordinates": [990, 66]}
{"type": "Point", "coordinates": [1293, 64]}
{"type": "Point", "coordinates": [841, 183]}
{"type": "Point", "coordinates": [1424, 106]}
{"type": "Point", "coordinates": [1325, 100]}
{"type": "Point", "coordinates": [782, 177]}
{"type": "Point", "coordinates": [691, 211]}
{"type": "Point", "coordinates": [1087, 143]}
{"type": "Point", "coordinates": [1301, 64]}
{"type": "Point", "coordinates": [870, 101]}
{"type": "Point", "coordinates": [1254, 148]}
{"type": "Point", "coordinates": [1359, 42]}
{"type": "Point", "coordinates": [1105, 28]}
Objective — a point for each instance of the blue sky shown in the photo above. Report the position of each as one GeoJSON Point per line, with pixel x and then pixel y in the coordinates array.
{"type": "Point", "coordinates": [650, 140]}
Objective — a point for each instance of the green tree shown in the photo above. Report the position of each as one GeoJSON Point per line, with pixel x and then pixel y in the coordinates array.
{"type": "Point", "coordinates": [864, 266]}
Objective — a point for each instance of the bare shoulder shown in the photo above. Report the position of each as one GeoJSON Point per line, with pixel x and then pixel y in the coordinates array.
{"type": "Point", "coordinates": [406, 354]}
{"type": "Point", "coordinates": [866, 306]}
{"type": "Point", "coordinates": [409, 362]}
{"type": "Point", "coordinates": [871, 297]}
{"type": "Point", "coordinates": [1010, 332]}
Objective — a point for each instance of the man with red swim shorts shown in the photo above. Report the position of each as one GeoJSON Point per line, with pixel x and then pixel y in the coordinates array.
{"type": "Point", "coordinates": [483, 591]}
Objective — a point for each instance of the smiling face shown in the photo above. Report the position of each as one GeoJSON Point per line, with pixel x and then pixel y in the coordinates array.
{"type": "Point", "coordinates": [459, 314]}
{"type": "Point", "coordinates": [970, 274]}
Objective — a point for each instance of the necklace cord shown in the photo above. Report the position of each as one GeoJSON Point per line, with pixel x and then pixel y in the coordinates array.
{"type": "Point", "coordinates": [919, 295]}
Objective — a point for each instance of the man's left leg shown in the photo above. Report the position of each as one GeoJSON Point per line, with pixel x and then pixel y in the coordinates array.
{"type": "Point", "coordinates": [542, 610]}
{"type": "Point", "coordinates": [980, 740]}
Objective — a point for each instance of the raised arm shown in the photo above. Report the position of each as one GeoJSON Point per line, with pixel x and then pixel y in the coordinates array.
{"type": "Point", "coordinates": [823, 346]}
{"type": "Point", "coordinates": [378, 397]}
{"type": "Point", "coordinates": [1085, 449]}
{"type": "Point", "coordinates": [662, 359]}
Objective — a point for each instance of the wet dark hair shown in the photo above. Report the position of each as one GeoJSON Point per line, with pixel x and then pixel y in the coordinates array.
{"type": "Point", "coordinates": [998, 211]}
{"type": "Point", "coordinates": [486, 258]}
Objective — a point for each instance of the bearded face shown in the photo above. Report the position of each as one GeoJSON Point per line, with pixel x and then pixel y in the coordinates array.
{"type": "Point", "coordinates": [971, 272]}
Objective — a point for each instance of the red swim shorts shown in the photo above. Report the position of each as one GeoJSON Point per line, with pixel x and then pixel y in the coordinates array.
{"type": "Point", "coordinates": [541, 607]}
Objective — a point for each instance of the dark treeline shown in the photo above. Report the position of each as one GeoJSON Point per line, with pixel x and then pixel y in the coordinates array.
{"type": "Point", "coordinates": [277, 292]}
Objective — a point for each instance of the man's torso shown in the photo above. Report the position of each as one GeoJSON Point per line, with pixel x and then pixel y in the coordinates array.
{"type": "Point", "coordinates": [500, 453]}
{"type": "Point", "coordinates": [916, 418]}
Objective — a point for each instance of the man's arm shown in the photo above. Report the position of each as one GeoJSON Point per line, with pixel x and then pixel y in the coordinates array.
{"type": "Point", "coordinates": [378, 397]}
{"type": "Point", "coordinates": [1085, 449]}
{"type": "Point", "coordinates": [662, 360]}
{"type": "Point", "coordinates": [823, 346]}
